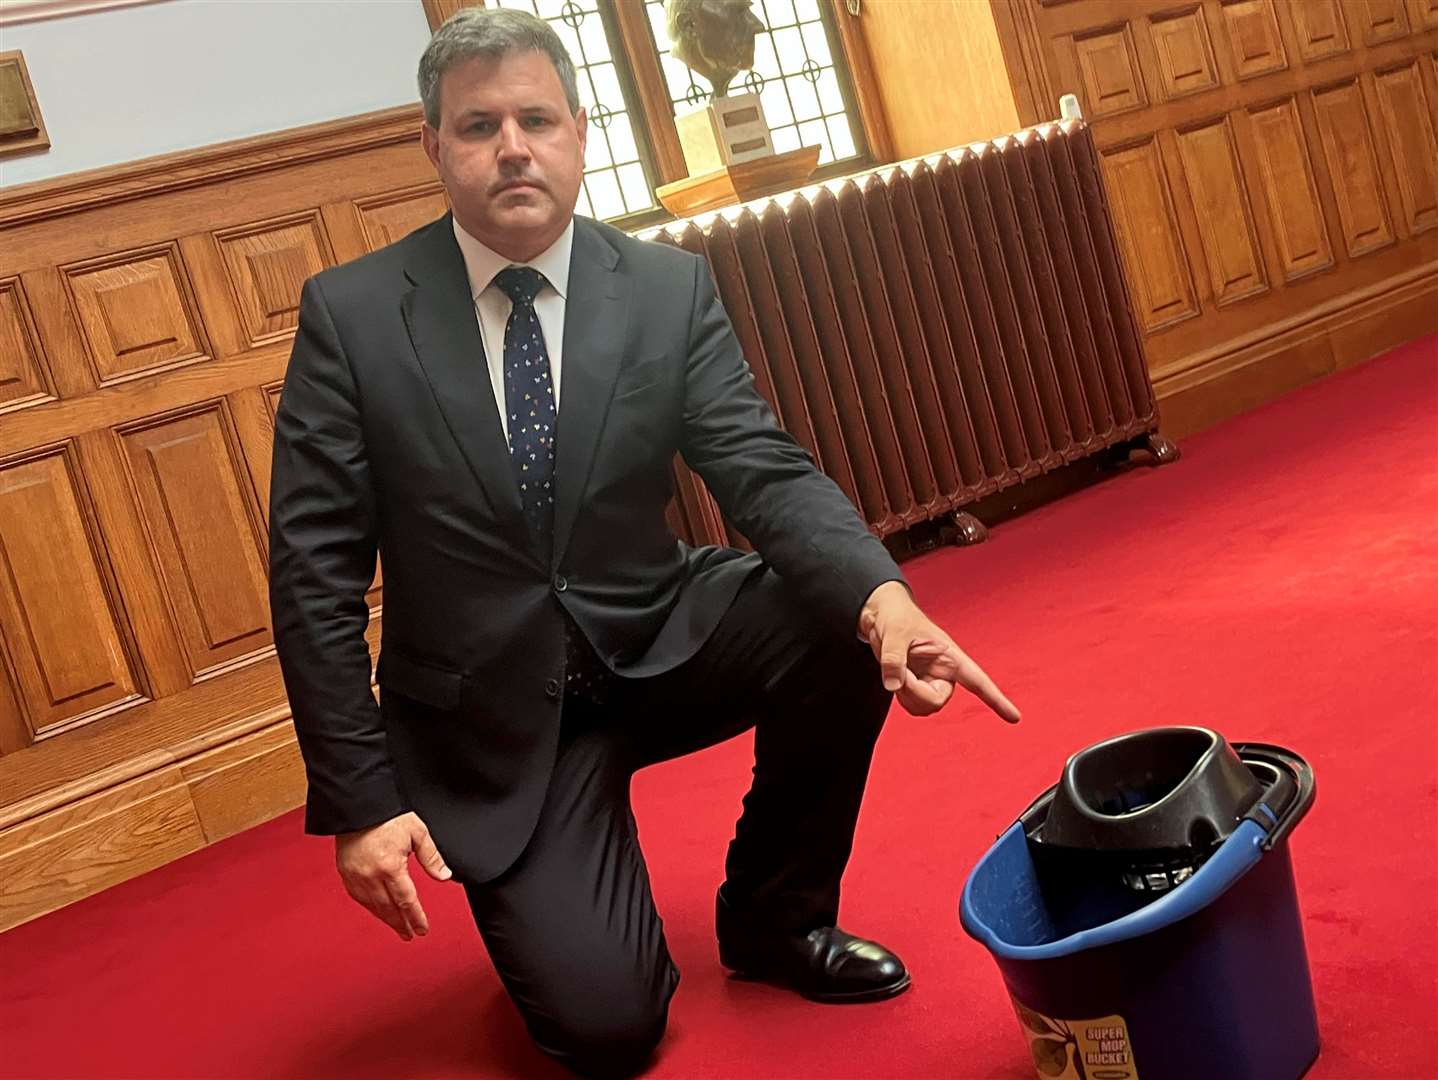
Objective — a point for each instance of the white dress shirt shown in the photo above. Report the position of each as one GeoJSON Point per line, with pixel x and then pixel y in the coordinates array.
{"type": "Point", "coordinates": [492, 306]}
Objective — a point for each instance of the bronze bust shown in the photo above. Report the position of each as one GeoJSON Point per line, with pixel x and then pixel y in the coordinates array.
{"type": "Point", "coordinates": [714, 38]}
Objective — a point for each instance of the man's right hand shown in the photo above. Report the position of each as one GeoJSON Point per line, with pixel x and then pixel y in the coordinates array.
{"type": "Point", "coordinates": [374, 865]}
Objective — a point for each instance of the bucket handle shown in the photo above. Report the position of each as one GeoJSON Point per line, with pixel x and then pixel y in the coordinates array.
{"type": "Point", "coordinates": [1287, 798]}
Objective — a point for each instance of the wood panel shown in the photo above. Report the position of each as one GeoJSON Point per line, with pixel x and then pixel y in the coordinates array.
{"type": "Point", "coordinates": [1408, 122]}
{"type": "Point", "coordinates": [1109, 67]}
{"type": "Point", "coordinates": [267, 263]}
{"type": "Point", "coordinates": [203, 525]}
{"type": "Point", "coordinates": [136, 313]}
{"type": "Point", "coordinates": [24, 376]}
{"type": "Point", "coordinates": [1294, 208]}
{"type": "Point", "coordinates": [1320, 29]}
{"type": "Point", "coordinates": [913, 48]}
{"type": "Point", "coordinates": [63, 630]}
{"type": "Point", "coordinates": [1353, 167]}
{"type": "Point", "coordinates": [1185, 52]}
{"type": "Point", "coordinates": [1225, 222]}
{"type": "Point", "coordinates": [1381, 20]}
{"type": "Point", "coordinates": [1423, 14]}
{"type": "Point", "coordinates": [1149, 236]}
{"type": "Point", "coordinates": [394, 215]}
{"type": "Point", "coordinates": [1254, 38]}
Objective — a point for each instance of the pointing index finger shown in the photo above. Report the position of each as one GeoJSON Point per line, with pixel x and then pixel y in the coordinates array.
{"type": "Point", "coordinates": [975, 680]}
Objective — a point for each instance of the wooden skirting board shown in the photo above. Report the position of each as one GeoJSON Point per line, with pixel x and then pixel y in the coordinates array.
{"type": "Point", "coordinates": [1200, 391]}
{"type": "Point", "coordinates": [173, 809]}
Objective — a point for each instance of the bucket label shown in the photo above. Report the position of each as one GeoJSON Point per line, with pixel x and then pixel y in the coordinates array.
{"type": "Point", "coordinates": [1078, 1049]}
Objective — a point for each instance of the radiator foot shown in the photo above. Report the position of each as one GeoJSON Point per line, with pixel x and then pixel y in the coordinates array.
{"type": "Point", "coordinates": [964, 529]}
{"type": "Point", "coordinates": [1165, 451]}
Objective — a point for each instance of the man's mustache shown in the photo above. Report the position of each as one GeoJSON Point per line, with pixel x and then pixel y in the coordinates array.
{"type": "Point", "coordinates": [515, 181]}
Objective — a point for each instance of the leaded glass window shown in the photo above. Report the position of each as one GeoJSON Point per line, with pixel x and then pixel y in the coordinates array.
{"type": "Point", "coordinates": [615, 181]}
{"type": "Point", "coordinates": [794, 75]}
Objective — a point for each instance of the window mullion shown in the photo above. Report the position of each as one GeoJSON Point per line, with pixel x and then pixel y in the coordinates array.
{"type": "Point", "coordinates": [632, 23]}
{"type": "Point", "coordinates": [863, 82]}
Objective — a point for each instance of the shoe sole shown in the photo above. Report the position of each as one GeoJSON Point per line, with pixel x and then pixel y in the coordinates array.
{"type": "Point", "coordinates": [852, 997]}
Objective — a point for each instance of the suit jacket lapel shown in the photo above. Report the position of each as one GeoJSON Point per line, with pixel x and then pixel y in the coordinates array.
{"type": "Point", "coordinates": [439, 313]}
{"type": "Point", "coordinates": [596, 324]}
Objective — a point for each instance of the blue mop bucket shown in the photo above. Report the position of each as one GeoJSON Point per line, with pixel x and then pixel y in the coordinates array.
{"type": "Point", "coordinates": [1143, 913]}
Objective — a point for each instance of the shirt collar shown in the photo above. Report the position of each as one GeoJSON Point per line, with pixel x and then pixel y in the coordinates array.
{"type": "Point", "coordinates": [482, 264]}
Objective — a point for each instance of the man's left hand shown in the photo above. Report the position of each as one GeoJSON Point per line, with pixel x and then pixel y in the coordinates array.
{"type": "Point", "coordinates": [921, 664]}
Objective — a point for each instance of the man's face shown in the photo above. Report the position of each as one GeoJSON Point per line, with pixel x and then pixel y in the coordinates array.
{"type": "Point", "coordinates": [509, 153]}
{"type": "Point", "coordinates": [728, 28]}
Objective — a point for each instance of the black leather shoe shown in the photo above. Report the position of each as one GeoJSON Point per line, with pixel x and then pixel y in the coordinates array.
{"type": "Point", "coordinates": [827, 964]}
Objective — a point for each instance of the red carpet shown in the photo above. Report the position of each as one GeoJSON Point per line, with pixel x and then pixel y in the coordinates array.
{"type": "Point", "coordinates": [1280, 583]}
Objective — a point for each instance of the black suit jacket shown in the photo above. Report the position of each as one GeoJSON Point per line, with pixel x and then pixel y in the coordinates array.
{"type": "Point", "coordinates": [388, 439]}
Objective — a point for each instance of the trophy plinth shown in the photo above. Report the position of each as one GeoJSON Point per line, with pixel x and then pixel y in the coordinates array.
{"type": "Point", "coordinates": [724, 131]}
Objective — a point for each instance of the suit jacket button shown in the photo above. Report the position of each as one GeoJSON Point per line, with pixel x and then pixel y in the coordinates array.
{"type": "Point", "coordinates": [551, 688]}
{"type": "Point", "coordinates": [560, 584]}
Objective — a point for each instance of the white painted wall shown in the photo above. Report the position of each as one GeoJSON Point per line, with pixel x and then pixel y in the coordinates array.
{"type": "Point", "coordinates": [126, 83]}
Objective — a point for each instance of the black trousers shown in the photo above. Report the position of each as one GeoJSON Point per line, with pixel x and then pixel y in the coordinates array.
{"type": "Point", "coordinates": [572, 927]}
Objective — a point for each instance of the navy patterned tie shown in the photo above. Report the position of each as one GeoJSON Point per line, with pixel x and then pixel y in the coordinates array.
{"type": "Point", "coordinates": [533, 426]}
{"type": "Point", "coordinates": [529, 401]}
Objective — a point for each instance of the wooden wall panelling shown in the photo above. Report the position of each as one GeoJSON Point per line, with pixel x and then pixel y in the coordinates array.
{"type": "Point", "coordinates": [913, 48]}
{"type": "Point", "coordinates": [1294, 208]}
{"type": "Point", "coordinates": [116, 748]}
{"type": "Point", "coordinates": [1219, 196]}
{"type": "Point", "coordinates": [1023, 57]}
{"type": "Point", "coordinates": [342, 227]}
{"type": "Point", "coordinates": [65, 630]}
{"type": "Point", "coordinates": [268, 262]}
{"type": "Point", "coordinates": [1385, 153]}
{"type": "Point", "coordinates": [137, 577]}
{"type": "Point", "coordinates": [60, 339]}
{"type": "Point", "coordinates": [1149, 235]}
{"type": "Point", "coordinates": [1377, 21]}
{"type": "Point", "coordinates": [1347, 138]}
{"type": "Point", "coordinates": [141, 397]}
{"type": "Point", "coordinates": [1430, 69]}
{"type": "Point", "coordinates": [1108, 66]}
{"type": "Point", "coordinates": [1253, 37]}
{"type": "Point", "coordinates": [394, 215]}
{"type": "Point", "coordinates": [198, 506]}
{"type": "Point", "coordinates": [1320, 29]}
{"type": "Point", "coordinates": [1311, 138]}
{"type": "Point", "coordinates": [229, 336]}
{"type": "Point", "coordinates": [251, 413]}
{"type": "Point", "coordinates": [137, 313]}
{"type": "Point", "coordinates": [139, 377]}
{"type": "Point", "coordinates": [1423, 14]}
{"type": "Point", "coordinates": [24, 372]}
{"type": "Point", "coordinates": [1408, 125]}
{"type": "Point", "coordinates": [1184, 52]}
{"type": "Point", "coordinates": [15, 729]}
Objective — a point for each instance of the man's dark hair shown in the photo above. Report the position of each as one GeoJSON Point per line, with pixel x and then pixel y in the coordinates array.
{"type": "Point", "coordinates": [491, 33]}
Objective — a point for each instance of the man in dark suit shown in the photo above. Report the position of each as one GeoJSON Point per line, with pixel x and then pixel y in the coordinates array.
{"type": "Point", "coordinates": [493, 404]}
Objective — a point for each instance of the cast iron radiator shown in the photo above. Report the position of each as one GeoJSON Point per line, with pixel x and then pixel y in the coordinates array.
{"type": "Point", "coordinates": [936, 331]}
